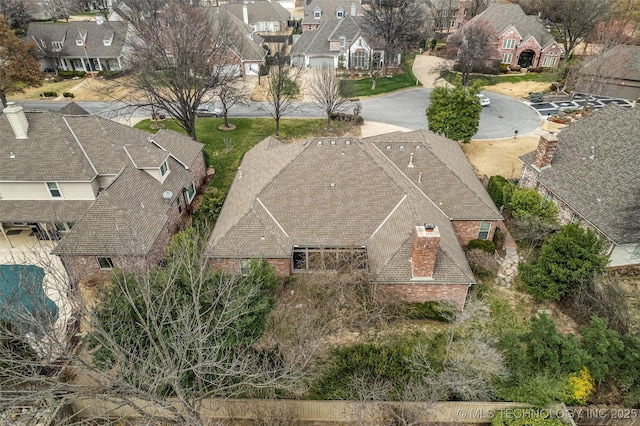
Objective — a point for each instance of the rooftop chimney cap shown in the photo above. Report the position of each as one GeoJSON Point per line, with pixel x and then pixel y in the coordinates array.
{"type": "Point", "coordinates": [167, 195]}
{"type": "Point", "coordinates": [429, 226]}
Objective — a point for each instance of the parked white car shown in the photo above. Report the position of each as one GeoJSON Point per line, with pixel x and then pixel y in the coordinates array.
{"type": "Point", "coordinates": [484, 101]}
{"type": "Point", "coordinates": [208, 111]}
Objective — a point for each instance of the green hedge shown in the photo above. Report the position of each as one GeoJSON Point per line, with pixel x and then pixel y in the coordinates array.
{"type": "Point", "coordinates": [68, 95]}
{"type": "Point", "coordinates": [500, 190]}
{"type": "Point", "coordinates": [484, 245]}
{"type": "Point", "coordinates": [109, 74]}
{"type": "Point", "coordinates": [50, 94]}
{"type": "Point", "coordinates": [69, 74]}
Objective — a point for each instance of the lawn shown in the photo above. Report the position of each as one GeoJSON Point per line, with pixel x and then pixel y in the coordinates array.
{"type": "Point", "coordinates": [248, 132]}
{"type": "Point", "coordinates": [32, 93]}
{"type": "Point", "coordinates": [491, 80]}
{"type": "Point", "coordinates": [362, 87]}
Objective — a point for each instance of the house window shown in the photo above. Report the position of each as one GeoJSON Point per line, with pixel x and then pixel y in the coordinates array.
{"type": "Point", "coordinates": [245, 266]}
{"type": "Point", "coordinates": [179, 203]}
{"type": "Point", "coordinates": [575, 219]}
{"type": "Point", "coordinates": [107, 43]}
{"type": "Point", "coordinates": [506, 58]}
{"type": "Point", "coordinates": [485, 227]}
{"type": "Point", "coordinates": [191, 192]}
{"type": "Point", "coordinates": [105, 262]}
{"type": "Point", "coordinates": [360, 59]}
{"type": "Point", "coordinates": [548, 61]}
{"type": "Point", "coordinates": [317, 13]}
{"type": "Point", "coordinates": [329, 258]}
{"type": "Point", "coordinates": [343, 41]}
{"type": "Point", "coordinates": [63, 226]}
{"type": "Point", "coordinates": [57, 46]}
{"type": "Point", "coordinates": [164, 168]}
{"type": "Point", "coordinates": [452, 24]}
{"type": "Point", "coordinates": [340, 13]}
{"type": "Point", "coordinates": [54, 190]}
{"type": "Point", "coordinates": [509, 43]}
{"type": "Point", "coordinates": [547, 197]}
{"type": "Point", "coordinates": [79, 43]}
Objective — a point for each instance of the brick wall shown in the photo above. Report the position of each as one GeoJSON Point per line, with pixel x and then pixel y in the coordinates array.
{"type": "Point", "coordinates": [85, 268]}
{"type": "Point", "coordinates": [456, 293]}
{"type": "Point", "coordinates": [467, 230]}
{"type": "Point", "coordinates": [545, 151]}
{"type": "Point", "coordinates": [232, 266]}
{"type": "Point", "coordinates": [425, 248]}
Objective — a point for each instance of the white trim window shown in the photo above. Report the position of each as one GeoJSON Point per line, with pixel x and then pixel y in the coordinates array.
{"type": "Point", "coordinates": [509, 43]}
{"type": "Point", "coordinates": [506, 58]}
{"type": "Point", "coordinates": [317, 13]}
{"type": "Point", "coordinates": [549, 61]}
{"type": "Point", "coordinates": [54, 190]}
{"type": "Point", "coordinates": [485, 230]}
{"type": "Point", "coordinates": [343, 42]}
{"type": "Point", "coordinates": [245, 266]}
{"type": "Point", "coordinates": [56, 46]}
{"type": "Point", "coordinates": [164, 169]}
{"type": "Point", "coordinates": [340, 13]}
{"type": "Point", "coordinates": [191, 192]}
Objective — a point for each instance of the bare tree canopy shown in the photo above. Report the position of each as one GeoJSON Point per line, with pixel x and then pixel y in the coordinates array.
{"type": "Point", "coordinates": [282, 89]}
{"type": "Point", "coordinates": [397, 24]}
{"type": "Point", "coordinates": [181, 58]}
{"type": "Point", "coordinates": [16, 13]}
{"type": "Point", "coordinates": [627, 15]}
{"type": "Point", "coordinates": [230, 94]}
{"type": "Point", "coordinates": [18, 64]}
{"type": "Point", "coordinates": [327, 92]}
{"type": "Point", "coordinates": [474, 48]}
{"type": "Point", "coordinates": [574, 20]}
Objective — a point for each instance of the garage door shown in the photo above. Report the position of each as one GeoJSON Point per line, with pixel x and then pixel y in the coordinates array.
{"type": "Point", "coordinates": [319, 62]}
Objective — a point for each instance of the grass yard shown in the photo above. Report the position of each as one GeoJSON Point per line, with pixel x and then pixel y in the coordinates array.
{"type": "Point", "coordinates": [362, 87]}
{"type": "Point", "coordinates": [248, 132]}
{"type": "Point", "coordinates": [492, 80]}
{"type": "Point", "coordinates": [33, 93]}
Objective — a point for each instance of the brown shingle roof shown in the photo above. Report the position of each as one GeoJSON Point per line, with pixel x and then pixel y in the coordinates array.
{"type": "Point", "coordinates": [603, 187]}
{"type": "Point", "coordinates": [350, 192]}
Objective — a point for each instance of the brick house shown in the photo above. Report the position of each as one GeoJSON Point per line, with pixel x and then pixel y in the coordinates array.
{"type": "Point", "coordinates": [110, 195]}
{"type": "Point", "coordinates": [590, 169]}
{"type": "Point", "coordinates": [523, 40]}
{"type": "Point", "coordinates": [614, 73]}
{"type": "Point", "coordinates": [400, 206]}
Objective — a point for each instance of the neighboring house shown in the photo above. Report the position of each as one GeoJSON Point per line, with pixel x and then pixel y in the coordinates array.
{"type": "Point", "coordinates": [615, 73]}
{"type": "Point", "coordinates": [320, 11]}
{"type": "Point", "coordinates": [338, 43]}
{"type": "Point", "coordinates": [399, 206]}
{"type": "Point", "coordinates": [82, 45]}
{"type": "Point", "coordinates": [265, 17]}
{"type": "Point", "coordinates": [523, 40]}
{"type": "Point", "coordinates": [591, 170]}
{"type": "Point", "coordinates": [110, 194]}
{"type": "Point", "coordinates": [449, 15]}
{"type": "Point", "coordinates": [246, 53]}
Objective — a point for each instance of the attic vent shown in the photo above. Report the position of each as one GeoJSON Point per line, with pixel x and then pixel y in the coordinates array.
{"type": "Point", "coordinates": [333, 142]}
{"type": "Point", "coordinates": [347, 142]}
{"type": "Point", "coordinates": [401, 147]}
{"type": "Point", "coordinates": [418, 147]}
{"type": "Point", "coordinates": [319, 143]}
{"type": "Point", "coordinates": [332, 185]}
{"type": "Point", "coordinates": [388, 148]}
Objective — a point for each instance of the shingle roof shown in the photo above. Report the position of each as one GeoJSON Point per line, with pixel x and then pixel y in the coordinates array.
{"type": "Point", "coordinates": [624, 63]}
{"type": "Point", "coordinates": [502, 16]}
{"type": "Point", "coordinates": [246, 44]}
{"type": "Point", "coordinates": [129, 214]}
{"type": "Point", "coordinates": [116, 31]}
{"type": "Point", "coordinates": [350, 192]}
{"type": "Point", "coordinates": [329, 9]}
{"type": "Point", "coordinates": [605, 189]}
{"type": "Point", "coordinates": [259, 11]}
{"type": "Point", "coordinates": [317, 42]}
{"type": "Point", "coordinates": [72, 108]}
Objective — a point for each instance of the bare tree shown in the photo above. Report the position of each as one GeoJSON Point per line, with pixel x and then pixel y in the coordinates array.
{"type": "Point", "coordinates": [476, 7]}
{"type": "Point", "coordinates": [158, 342]}
{"type": "Point", "coordinates": [232, 93]}
{"type": "Point", "coordinates": [473, 48]}
{"type": "Point", "coordinates": [574, 20]}
{"type": "Point", "coordinates": [327, 92]}
{"type": "Point", "coordinates": [57, 9]}
{"type": "Point", "coordinates": [398, 24]}
{"type": "Point", "coordinates": [181, 59]}
{"type": "Point", "coordinates": [282, 86]}
{"type": "Point", "coordinates": [16, 13]}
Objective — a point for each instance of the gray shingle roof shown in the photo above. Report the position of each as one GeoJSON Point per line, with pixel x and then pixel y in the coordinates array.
{"type": "Point", "coordinates": [246, 44]}
{"type": "Point", "coordinates": [146, 156]}
{"type": "Point", "coordinates": [317, 42]}
{"type": "Point", "coordinates": [605, 189]}
{"type": "Point", "coordinates": [43, 210]}
{"type": "Point", "coordinates": [329, 9]}
{"type": "Point", "coordinates": [502, 16]}
{"type": "Point", "coordinates": [351, 194]}
{"type": "Point", "coordinates": [624, 60]}
{"type": "Point", "coordinates": [95, 35]}
{"type": "Point", "coordinates": [259, 11]}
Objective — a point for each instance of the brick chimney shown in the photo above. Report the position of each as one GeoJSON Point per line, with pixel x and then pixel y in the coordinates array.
{"type": "Point", "coordinates": [17, 120]}
{"type": "Point", "coordinates": [353, 8]}
{"type": "Point", "coordinates": [546, 149]}
{"type": "Point", "coordinates": [245, 14]}
{"type": "Point", "coordinates": [426, 241]}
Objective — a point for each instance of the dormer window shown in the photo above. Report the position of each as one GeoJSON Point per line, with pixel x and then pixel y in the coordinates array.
{"type": "Point", "coordinates": [107, 43]}
{"type": "Point", "coordinates": [164, 169]}
{"type": "Point", "coordinates": [317, 13]}
{"type": "Point", "coordinates": [54, 190]}
{"type": "Point", "coordinates": [56, 46]}
{"type": "Point", "coordinates": [340, 13]}
{"type": "Point", "coordinates": [79, 43]}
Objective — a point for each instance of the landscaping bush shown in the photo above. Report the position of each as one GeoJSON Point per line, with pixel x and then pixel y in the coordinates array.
{"type": "Point", "coordinates": [536, 97]}
{"type": "Point", "coordinates": [496, 189]}
{"type": "Point", "coordinates": [498, 238]}
{"type": "Point", "coordinates": [484, 245]}
{"type": "Point", "coordinates": [504, 68]}
{"type": "Point", "coordinates": [70, 74]}
{"type": "Point", "coordinates": [482, 263]}
{"type": "Point", "coordinates": [68, 95]}
{"type": "Point", "coordinates": [432, 310]}
{"type": "Point", "coordinates": [109, 74]}
{"type": "Point", "coordinates": [341, 116]}
{"type": "Point", "coordinates": [527, 202]}
{"type": "Point", "coordinates": [516, 68]}
{"type": "Point", "coordinates": [50, 94]}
